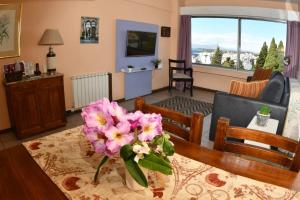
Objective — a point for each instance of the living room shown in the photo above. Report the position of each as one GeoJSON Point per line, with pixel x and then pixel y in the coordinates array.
{"type": "Point", "coordinates": [221, 42]}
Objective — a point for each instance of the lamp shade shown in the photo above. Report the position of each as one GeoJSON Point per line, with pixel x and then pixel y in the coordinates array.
{"type": "Point", "coordinates": [51, 37]}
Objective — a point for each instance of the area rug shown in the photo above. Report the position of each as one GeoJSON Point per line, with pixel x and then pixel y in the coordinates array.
{"type": "Point", "coordinates": [186, 105]}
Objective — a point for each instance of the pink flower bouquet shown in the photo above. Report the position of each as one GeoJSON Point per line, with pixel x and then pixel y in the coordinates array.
{"type": "Point", "coordinates": [137, 137]}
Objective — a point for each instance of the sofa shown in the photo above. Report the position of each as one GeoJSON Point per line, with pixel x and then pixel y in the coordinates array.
{"type": "Point", "coordinates": [240, 110]}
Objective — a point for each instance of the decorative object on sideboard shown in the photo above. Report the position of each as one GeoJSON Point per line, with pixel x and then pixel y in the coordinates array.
{"type": "Point", "coordinates": [130, 68]}
{"type": "Point", "coordinates": [156, 63]}
{"type": "Point", "coordinates": [10, 30]}
{"type": "Point", "coordinates": [13, 72]}
{"type": "Point", "coordinates": [263, 115]}
{"type": "Point", "coordinates": [165, 31]}
{"type": "Point", "coordinates": [37, 71]}
{"type": "Point", "coordinates": [28, 68]}
{"type": "Point", "coordinates": [89, 30]}
{"type": "Point", "coordinates": [51, 37]}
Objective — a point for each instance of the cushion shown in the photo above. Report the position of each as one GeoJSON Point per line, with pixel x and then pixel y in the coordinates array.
{"type": "Point", "coordinates": [274, 89]}
{"type": "Point", "coordinates": [261, 74]}
{"type": "Point", "coordinates": [181, 75]}
{"type": "Point", "coordinates": [247, 89]}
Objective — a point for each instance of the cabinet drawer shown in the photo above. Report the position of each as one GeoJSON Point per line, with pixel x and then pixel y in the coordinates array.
{"type": "Point", "coordinates": [23, 86]}
{"type": "Point", "coordinates": [50, 82]}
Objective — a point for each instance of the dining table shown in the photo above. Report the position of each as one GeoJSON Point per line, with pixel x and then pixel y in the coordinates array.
{"type": "Point", "coordinates": [21, 177]}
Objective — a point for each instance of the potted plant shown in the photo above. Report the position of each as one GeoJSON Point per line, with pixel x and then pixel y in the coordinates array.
{"type": "Point", "coordinates": [263, 115]}
{"type": "Point", "coordinates": [156, 63]}
{"type": "Point", "coordinates": [130, 68]}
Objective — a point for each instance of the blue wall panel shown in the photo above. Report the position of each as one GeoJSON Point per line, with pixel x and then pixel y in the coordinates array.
{"type": "Point", "coordinates": [138, 84]}
{"type": "Point", "coordinates": [138, 62]}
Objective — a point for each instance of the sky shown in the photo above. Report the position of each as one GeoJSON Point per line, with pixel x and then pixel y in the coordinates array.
{"type": "Point", "coordinates": [223, 32]}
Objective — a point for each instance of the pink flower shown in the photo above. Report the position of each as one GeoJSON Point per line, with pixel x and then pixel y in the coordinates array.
{"type": "Point", "coordinates": [95, 116]}
{"type": "Point", "coordinates": [118, 136]}
{"type": "Point", "coordinates": [90, 133]}
{"type": "Point", "coordinates": [151, 126]}
{"type": "Point", "coordinates": [133, 118]}
{"type": "Point", "coordinates": [117, 112]}
{"type": "Point", "coordinates": [96, 138]}
{"type": "Point", "coordinates": [99, 146]}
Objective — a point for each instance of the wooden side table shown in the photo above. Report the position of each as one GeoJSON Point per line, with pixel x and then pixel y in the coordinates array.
{"type": "Point", "coordinates": [270, 127]}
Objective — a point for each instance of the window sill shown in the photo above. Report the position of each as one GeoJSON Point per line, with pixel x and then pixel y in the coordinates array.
{"type": "Point", "coordinates": [222, 71]}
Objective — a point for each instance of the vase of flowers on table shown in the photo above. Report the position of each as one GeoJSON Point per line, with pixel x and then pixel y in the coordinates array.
{"type": "Point", "coordinates": [136, 137]}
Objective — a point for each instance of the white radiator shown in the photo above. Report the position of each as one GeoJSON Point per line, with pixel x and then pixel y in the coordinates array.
{"type": "Point", "coordinates": [90, 87]}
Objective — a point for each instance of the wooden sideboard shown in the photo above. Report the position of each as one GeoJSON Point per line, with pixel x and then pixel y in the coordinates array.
{"type": "Point", "coordinates": [36, 106]}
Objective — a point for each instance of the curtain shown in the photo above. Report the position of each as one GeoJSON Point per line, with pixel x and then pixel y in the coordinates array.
{"type": "Point", "coordinates": [292, 48]}
{"type": "Point", "coordinates": [184, 44]}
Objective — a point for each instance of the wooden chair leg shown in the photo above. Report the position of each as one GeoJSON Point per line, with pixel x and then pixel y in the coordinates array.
{"type": "Point", "coordinates": [191, 88]}
{"type": "Point", "coordinates": [170, 87]}
{"type": "Point", "coordinates": [184, 86]}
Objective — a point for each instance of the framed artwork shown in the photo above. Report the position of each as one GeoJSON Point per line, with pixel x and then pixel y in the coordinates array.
{"type": "Point", "coordinates": [165, 31]}
{"type": "Point", "coordinates": [89, 33]}
{"type": "Point", "coordinates": [10, 27]}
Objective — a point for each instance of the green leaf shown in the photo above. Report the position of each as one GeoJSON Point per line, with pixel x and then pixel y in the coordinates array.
{"type": "Point", "coordinates": [168, 148]}
{"type": "Point", "coordinates": [134, 170]}
{"type": "Point", "coordinates": [126, 152]}
{"type": "Point", "coordinates": [156, 163]}
{"type": "Point", "coordinates": [157, 140]}
{"type": "Point", "coordinates": [99, 166]}
{"type": "Point", "coordinates": [136, 173]}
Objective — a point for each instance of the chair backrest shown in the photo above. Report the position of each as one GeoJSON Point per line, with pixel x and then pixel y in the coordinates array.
{"type": "Point", "coordinates": [224, 131]}
{"type": "Point", "coordinates": [186, 127]}
{"type": "Point", "coordinates": [177, 63]}
{"type": "Point", "coordinates": [261, 74]}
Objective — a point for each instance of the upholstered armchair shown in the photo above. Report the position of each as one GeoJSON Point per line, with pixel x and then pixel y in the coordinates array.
{"type": "Point", "coordinates": [240, 109]}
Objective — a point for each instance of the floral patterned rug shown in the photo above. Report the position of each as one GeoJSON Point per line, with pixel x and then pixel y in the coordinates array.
{"type": "Point", "coordinates": [67, 158]}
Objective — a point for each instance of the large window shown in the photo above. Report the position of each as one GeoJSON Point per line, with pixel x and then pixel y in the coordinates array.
{"type": "Point", "coordinates": [238, 43]}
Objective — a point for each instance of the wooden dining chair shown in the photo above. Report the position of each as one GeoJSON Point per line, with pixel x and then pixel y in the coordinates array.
{"type": "Point", "coordinates": [224, 131]}
{"type": "Point", "coordinates": [179, 125]}
{"type": "Point", "coordinates": [175, 74]}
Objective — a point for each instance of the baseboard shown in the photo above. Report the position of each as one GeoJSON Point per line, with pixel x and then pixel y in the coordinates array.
{"type": "Point", "coordinates": [160, 89]}
{"type": "Point", "coordinates": [205, 89]}
{"type": "Point", "coordinates": [153, 92]}
{"type": "Point", "coordinates": [71, 112]}
{"type": "Point", "coordinates": [5, 130]}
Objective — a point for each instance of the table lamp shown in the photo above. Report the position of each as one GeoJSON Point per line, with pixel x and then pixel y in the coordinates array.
{"type": "Point", "coordinates": [51, 37]}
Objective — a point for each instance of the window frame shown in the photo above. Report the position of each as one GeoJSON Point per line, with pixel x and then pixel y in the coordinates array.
{"type": "Point", "coordinates": [239, 38]}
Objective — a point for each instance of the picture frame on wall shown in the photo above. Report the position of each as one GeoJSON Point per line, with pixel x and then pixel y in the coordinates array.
{"type": "Point", "coordinates": [165, 31]}
{"type": "Point", "coordinates": [89, 33]}
{"type": "Point", "coordinates": [10, 30]}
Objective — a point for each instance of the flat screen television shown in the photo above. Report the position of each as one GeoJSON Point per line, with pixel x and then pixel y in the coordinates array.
{"type": "Point", "coordinates": [140, 43]}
